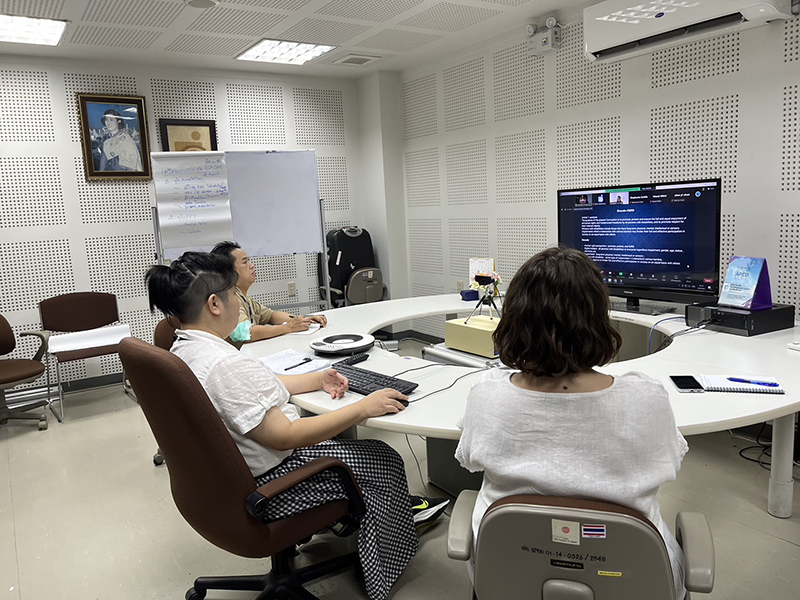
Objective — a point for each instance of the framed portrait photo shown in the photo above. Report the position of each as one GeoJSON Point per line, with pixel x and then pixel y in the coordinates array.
{"type": "Point", "coordinates": [114, 137]}
{"type": "Point", "coordinates": [187, 135]}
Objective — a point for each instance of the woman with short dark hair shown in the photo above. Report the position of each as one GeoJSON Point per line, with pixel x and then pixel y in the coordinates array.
{"type": "Point", "coordinates": [554, 425]}
{"type": "Point", "coordinates": [253, 403]}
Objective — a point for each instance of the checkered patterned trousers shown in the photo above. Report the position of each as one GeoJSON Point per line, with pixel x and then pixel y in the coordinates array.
{"type": "Point", "coordinates": [386, 539]}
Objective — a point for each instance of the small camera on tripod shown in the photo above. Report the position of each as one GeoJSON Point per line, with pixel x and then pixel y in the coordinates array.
{"type": "Point", "coordinates": [484, 280]}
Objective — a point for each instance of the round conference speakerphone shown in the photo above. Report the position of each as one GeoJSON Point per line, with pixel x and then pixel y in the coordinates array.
{"type": "Point", "coordinates": [343, 343]}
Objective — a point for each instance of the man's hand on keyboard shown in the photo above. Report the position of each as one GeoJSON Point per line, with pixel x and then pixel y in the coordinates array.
{"type": "Point", "coordinates": [383, 402]}
{"type": "Point", "coordinates": [334, 383]}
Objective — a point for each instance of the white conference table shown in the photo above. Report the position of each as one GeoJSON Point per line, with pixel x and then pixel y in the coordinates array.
{"type": "Point", "coordinates": [706, 352]}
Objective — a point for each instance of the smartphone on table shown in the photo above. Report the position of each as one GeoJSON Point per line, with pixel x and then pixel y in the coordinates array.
{"type": "Point", "coordinates": [686, 383]}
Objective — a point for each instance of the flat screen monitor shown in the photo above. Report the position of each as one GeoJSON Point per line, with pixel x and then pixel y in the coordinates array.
{"type": "Point", "coordinates": [655, 241]}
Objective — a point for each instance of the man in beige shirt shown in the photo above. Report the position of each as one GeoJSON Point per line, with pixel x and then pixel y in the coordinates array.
{"type": "Point", "coordinates": [256, 321]}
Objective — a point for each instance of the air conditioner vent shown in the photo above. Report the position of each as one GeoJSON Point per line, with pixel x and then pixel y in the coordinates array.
{"type": "Point", "coordinates": [356, 60]}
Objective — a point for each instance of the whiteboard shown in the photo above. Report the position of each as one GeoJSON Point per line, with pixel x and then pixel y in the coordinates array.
{"type": "Point", "coordinates": [275, 205]}
{"type": "Point", "coordinates": [268, 202]}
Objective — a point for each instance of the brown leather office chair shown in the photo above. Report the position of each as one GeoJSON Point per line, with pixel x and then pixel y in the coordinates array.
{"type": "Point", "coordinates": [16, 371]}
{"type": "Point", "coordinates": [213, 488]}
{"type": "Point", "coordinates": [606, 551]}
{"type": "Point", "coordinates": [163, 336]}
{"type": "Point", "coordinates": [77, 311]}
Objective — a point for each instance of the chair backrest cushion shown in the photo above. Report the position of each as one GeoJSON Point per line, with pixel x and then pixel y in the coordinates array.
{"type": "Point", "coordinates": [78, 311]}
{"type": "Point", "coordinates": [365, 285]}
{"type": "Point", "coordinates": [164, 333]}
{"type": "Point", "coordinates": [208, 476]}
{"type": "Point", "coordinates": [7, 340]}
{"type": "Point", "coordinates": [525, 541]}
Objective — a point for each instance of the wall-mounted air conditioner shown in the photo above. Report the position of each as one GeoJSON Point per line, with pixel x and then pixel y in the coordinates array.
{"type": "Point", "coordinates": [620, 29]}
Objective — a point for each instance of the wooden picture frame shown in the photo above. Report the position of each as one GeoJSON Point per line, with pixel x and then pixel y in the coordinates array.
{"type": "Point", "coordinates": [188, 135]}
{"type": "Point", "coordinates": [114, 137]}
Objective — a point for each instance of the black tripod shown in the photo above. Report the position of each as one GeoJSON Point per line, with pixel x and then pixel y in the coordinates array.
{"type": "Point", "coordinates": [488, 300]}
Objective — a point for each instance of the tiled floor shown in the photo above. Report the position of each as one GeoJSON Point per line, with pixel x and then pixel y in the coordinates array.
{"type": "Point", "coordinates": [85, 515]}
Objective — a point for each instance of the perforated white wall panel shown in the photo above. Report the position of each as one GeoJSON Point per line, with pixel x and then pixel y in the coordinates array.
{"type": "Point", "coordinates": [428, 325]}
{"type": "Point", "coordinates": [520, 165]}
{"type": "Point", "coordinates": [518, 83]}
{"type": "Point", "coordinates": [791, 40]}
{"type": "Point", "coordinates": [466, 238]}
{"type": "Point", "coordinates": [790, 154]}
{"type": "Point", "coordinates": [31, 194]}
{"type": "Point", "coordinates": [464, 95]}
{"type": "Point", "coordinates": [727, 243]}
{"type": "Point", "coordinates": [419, 107]}
{"type": "Point", "coordinates": [695, 140]}
{"type": "Point", "coordinates": [319, 117]}
{"type": "Point", "coordinates": [425, 246]}
{"type": "Point", "coordinates": [35, 270]}
{"type": "Point", "coordinates": [698, 60]}
{"type": "Point", "coordinates": [132, 199]}
{"type": "Point", "coordinates": [422, 178]}
{"type": "Point", "coordinates": [589, 153]}
{"type": "Point", "coordinates": [180, 99]}
{"type": "Point", "coordinates": [580, 81]}
{"type": "Point", "coordinates": [517, 240]}
{"type": "Point", "coordinates": [117, 264]}
{"type": "Point", "coordinates": [466, 173]}
{"type": "Point", "coordinates": [28, 112]}
{"type": "Point", "coordinates": [788, 288]}
{"type": "Point", "coordinates": [256, 114]}
{"type": "Point", "coordinates": [275, 268]}
{"type": "Point", "coordinates": [332, 181]}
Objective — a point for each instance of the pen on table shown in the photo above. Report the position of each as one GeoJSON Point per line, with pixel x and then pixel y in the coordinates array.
{"type": "Point", "coordinates": [752, 381]}
{"type": "Point", "coordinates": [300, 364]}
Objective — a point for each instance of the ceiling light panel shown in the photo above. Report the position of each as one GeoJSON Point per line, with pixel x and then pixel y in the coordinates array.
{"type": "Point", "coordinates": [321, 31]}
{"type": "Point", "coordinates": [368, 10]}
{"type": "Point", "coordinates": [276, 51]}
{"type": "Point", "coordinates": [25, 30]}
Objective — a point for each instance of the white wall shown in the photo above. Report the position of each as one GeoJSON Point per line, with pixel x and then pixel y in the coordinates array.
{"type": "Point", "coordinates": [60, 233]}
{"type": "Point", "coordinates": [490, 136]}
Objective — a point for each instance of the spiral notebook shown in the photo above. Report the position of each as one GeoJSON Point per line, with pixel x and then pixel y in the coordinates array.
{"type": "Point", "coordinates": [760, 384]}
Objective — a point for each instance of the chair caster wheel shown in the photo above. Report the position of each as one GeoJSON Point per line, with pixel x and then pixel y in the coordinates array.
{"type": "Point", "coordinates": [194, 594]}
{"type": "Point", "coordinates": [158, 460]}
{"type": "Point", "coordinates": [43, 424]}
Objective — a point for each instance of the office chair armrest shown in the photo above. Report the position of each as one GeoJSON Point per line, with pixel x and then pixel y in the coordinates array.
{"type": "Point", "coordinates": [694, 536]}
{"type": "Point", "coordinates": [44, 337]}
{"type": "Point", "coordinates": [459, 532]}
{"type": "Point", "coordinates": [257, 502]}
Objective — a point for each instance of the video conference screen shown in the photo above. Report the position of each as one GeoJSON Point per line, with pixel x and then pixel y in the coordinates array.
{"type": "Point", "coordinates": [662, 235]}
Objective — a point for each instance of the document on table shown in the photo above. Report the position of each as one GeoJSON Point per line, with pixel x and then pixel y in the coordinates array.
{"type": "Point", "coordinates": [291, 362]}
{"type": "Point", "coordinates": [311, 329]}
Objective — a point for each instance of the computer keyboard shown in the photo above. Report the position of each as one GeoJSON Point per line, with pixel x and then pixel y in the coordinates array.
{"type": "Point", "coordinates": [365, 382]}
{"type": "Point", "coordinates": [645, 309]}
